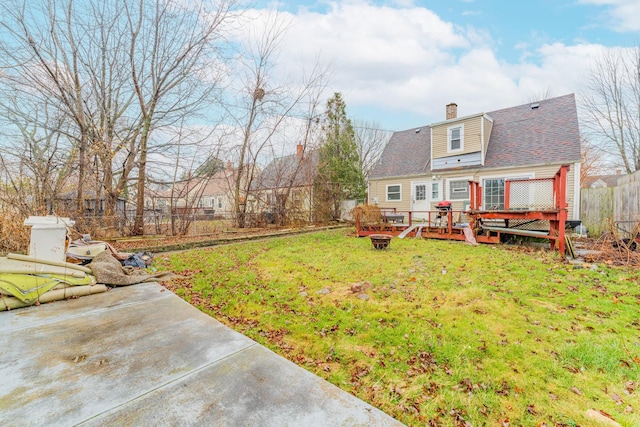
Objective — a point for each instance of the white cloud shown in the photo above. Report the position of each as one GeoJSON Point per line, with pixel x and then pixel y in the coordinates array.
{"type": "Point", "coordinates": [410, 61]}
{"type": "Point", "coordinates": [623, 14]}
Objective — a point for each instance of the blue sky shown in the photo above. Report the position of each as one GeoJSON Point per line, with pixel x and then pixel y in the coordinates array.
{"type": "Point", "coordinates": [398, 63]}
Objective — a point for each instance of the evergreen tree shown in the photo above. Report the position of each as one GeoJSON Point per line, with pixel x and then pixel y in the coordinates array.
{"type": "Point", "coordinates": [210, 167]}
{"type": "Point", "coordinates": [339, 174]}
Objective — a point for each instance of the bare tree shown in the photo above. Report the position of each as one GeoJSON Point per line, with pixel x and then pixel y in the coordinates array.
{"type": "Point", "coordinates": [36, 162]}
{"type": "Point", "coordinates": [173, 50]}
{"type": "Point", "coordinates": [188, 187]}
{"type": "Point", "coordinates": [118, 70]}
{"type": "Point", "coordinates": [41, 60]}
{"type": "Point", "coordinates": [264, 105]}
{"type": "Point", "coordinates": [591, 160]}
{"type": "Point", "coordinates": [612, 106]}
{"type": "Point", "coordinates": [545, 93]}
{"type": "Point", "coordinates": [370, 141]}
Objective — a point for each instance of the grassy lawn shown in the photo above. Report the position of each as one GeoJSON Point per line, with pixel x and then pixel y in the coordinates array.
{"type": "Point", "coordinates": [434, 332]}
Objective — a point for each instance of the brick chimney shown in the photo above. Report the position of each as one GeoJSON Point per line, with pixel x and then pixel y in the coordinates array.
{"type": "Point", "coordinates": [299, 151]}
{"type": "Point", "coordinates": [452, 111]}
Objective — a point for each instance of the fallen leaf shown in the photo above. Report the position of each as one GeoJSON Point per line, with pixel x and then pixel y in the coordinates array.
{"type": "Point", "coordinates": [576, 390]}
{"type": "Point", "coordinates": [630, 386]}
{"type": "Point", "coordinates": [616, 398]}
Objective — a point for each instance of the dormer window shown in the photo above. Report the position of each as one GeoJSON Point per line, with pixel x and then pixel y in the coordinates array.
{"type": "Point", "coordinates": [455, 138]}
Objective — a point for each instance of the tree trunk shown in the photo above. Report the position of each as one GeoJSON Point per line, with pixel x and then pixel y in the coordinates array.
{"type": "Point", "coordinates": [138, 227]}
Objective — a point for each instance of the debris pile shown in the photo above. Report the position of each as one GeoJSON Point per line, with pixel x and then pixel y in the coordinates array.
{"type": "Point", "coordinates": [45, 274]}
{"type": "Point", "coordinates": [615, 247]}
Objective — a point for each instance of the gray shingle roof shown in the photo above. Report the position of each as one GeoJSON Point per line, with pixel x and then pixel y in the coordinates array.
{"type": "Point", "coordinates": [520, 136]}
{"type": "Point", "coordinates": [288, 171]}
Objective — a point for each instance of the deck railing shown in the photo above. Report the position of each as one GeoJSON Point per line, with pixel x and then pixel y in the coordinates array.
{"type": "Point", "coordinates": [529, 194]}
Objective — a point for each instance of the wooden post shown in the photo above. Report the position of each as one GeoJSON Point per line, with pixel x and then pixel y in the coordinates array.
{"type": "Point", "coordinates": [560, 190]}
{"type": "Point", "coordinates": [507, 194]}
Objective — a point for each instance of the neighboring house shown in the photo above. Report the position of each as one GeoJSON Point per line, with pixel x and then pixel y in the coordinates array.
{"type": "Point", "coordinates": [600, 181]}
{"type": "Point", "coordinates": [425, 165]}
{"type": "Point", "coordinates": [197, 195]}
{"type": "Point", "coordinates": [93, 205]}
{"type": "Point", "coordinates": [286, 184]}
{"type": "Point", "coordinates": [65, 199]}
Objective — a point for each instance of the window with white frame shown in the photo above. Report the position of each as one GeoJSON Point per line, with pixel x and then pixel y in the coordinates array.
{"type": "Point", "coordinates": [455, 138]}
{"type": "Point", "coordinates": [435, 191]}
{"type": "Point", "coordinates": [459, 189]}
{"type": "Point", "coordinates": [493, 193]}
{"type": "Point", "coordinates": [394, 193]}
{"type": "Point", "coordinates": [220, 202]}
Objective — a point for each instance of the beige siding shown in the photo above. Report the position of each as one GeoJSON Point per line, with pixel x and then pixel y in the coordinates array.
{"type": "Point", "coordinates": [471, 142]}
{"type": "Point", "coordinates": [378, 188]}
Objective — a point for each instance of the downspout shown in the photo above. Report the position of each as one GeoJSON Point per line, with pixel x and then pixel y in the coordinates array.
{"type": "Point", "coordinates": [576, 191]}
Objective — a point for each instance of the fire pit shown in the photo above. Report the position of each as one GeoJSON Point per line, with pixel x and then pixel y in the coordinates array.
{"type": "Point", "coordinates": [380, 241]}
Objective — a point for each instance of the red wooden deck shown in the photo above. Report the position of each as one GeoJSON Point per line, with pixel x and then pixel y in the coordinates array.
{"type": "Point", "coordinates": [435, 225]}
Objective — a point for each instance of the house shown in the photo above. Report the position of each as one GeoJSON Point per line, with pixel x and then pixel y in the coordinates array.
{"type": "Point", "coordinates": [423, 166]}
{"type": "Point", "coordinates": [94, 204]}
{"type": "Point", "coordinates": [601, 181]}
{"type": "Point", "coordinates": [197, 195]}
{"type": "Point", "coordinates": [285, 187]}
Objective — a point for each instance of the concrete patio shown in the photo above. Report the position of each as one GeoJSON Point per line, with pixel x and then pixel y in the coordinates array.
{"type": "Point", "coordinates": [139, 355]}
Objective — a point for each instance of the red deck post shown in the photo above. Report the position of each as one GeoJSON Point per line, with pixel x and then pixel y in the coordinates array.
{"type": "Point", "coordinates": [475, 195]}
{"type": "Point", "coordinates": [507, 195]}
{"type": "Point", "coordinates": [560, 190]}
{"type": "Point", "coordinates": [472, 195]}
